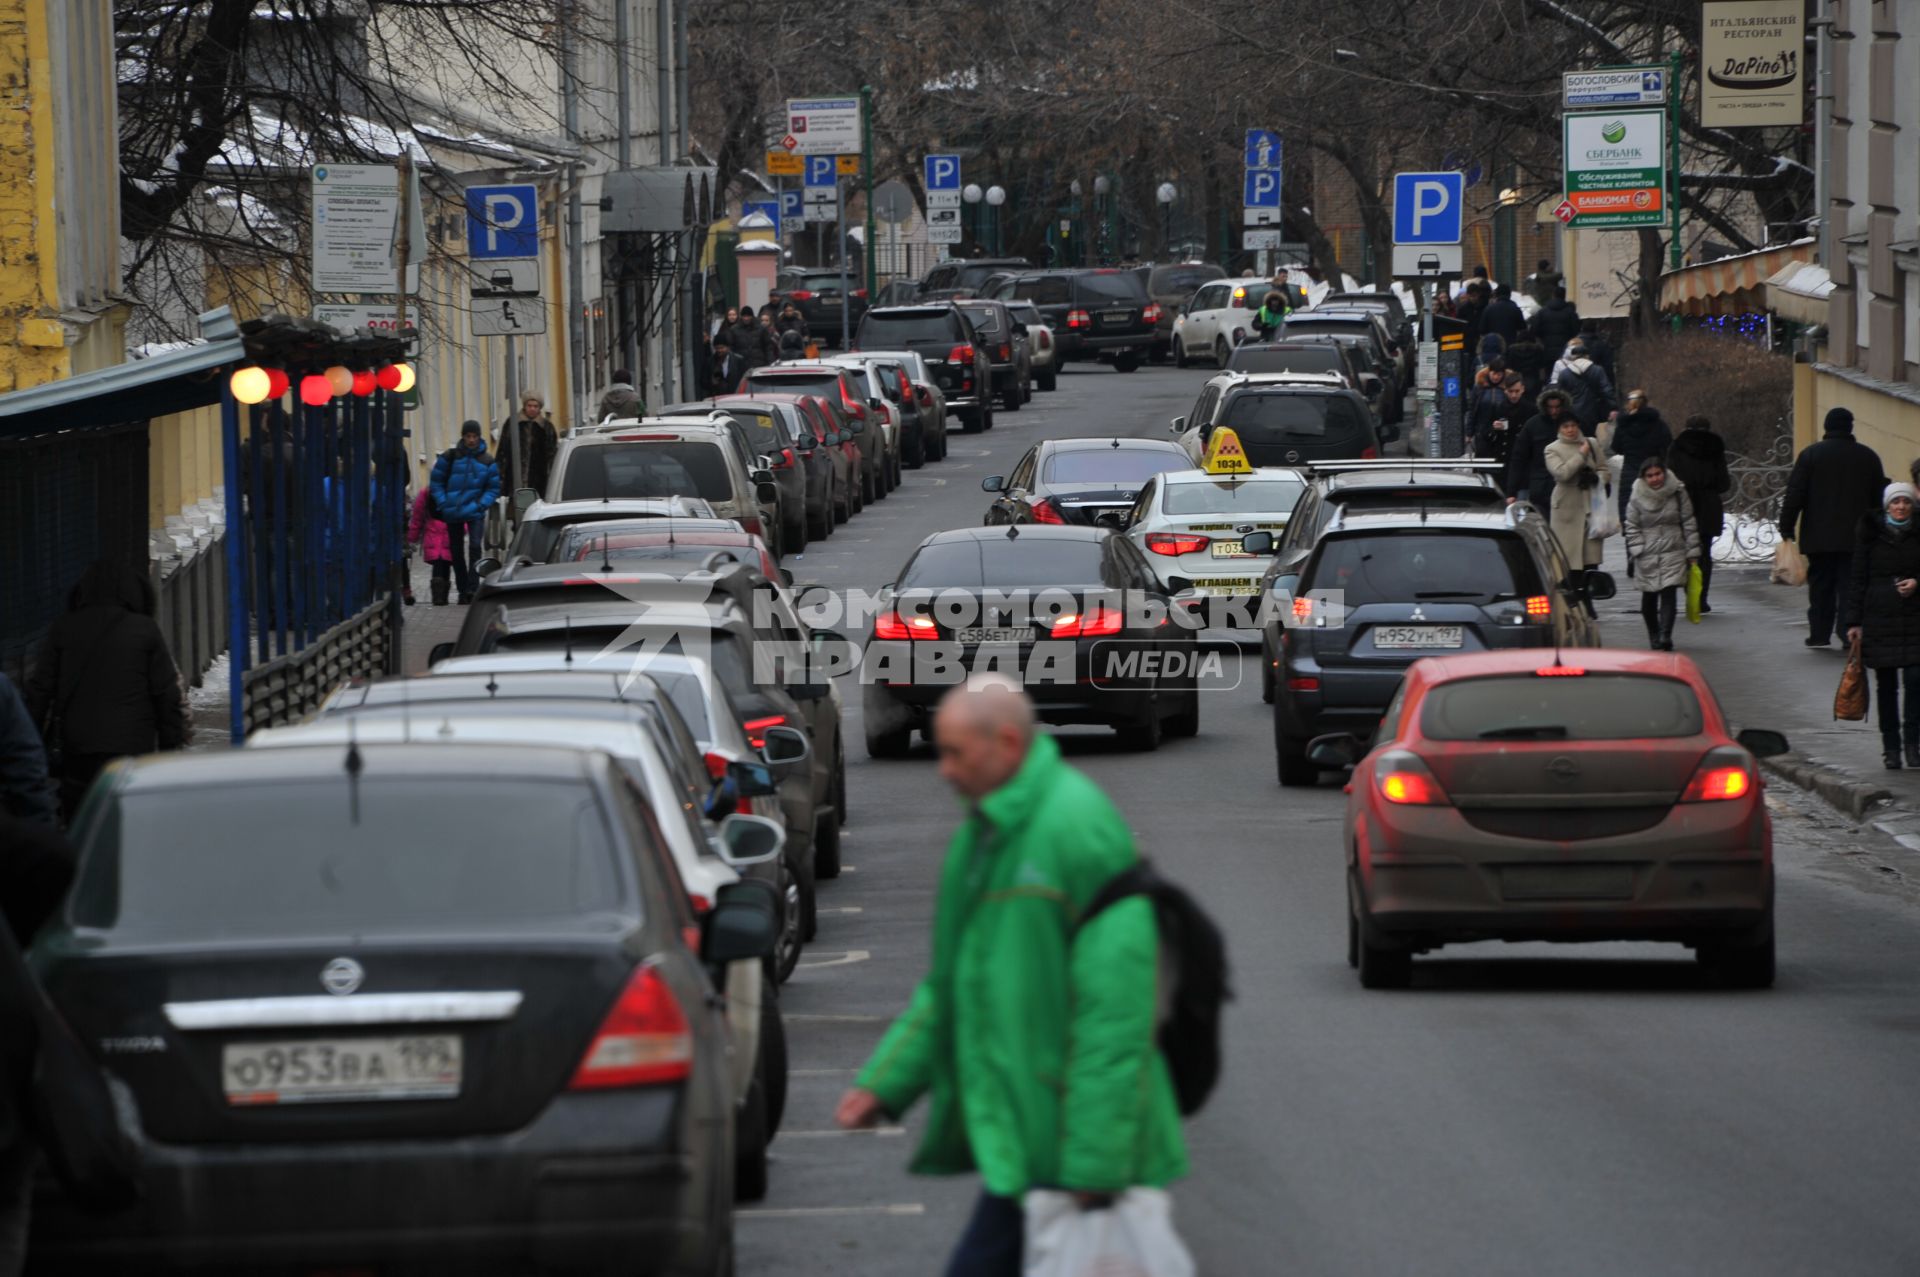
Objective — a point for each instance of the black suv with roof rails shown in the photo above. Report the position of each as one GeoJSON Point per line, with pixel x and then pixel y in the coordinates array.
{"type": "Point", "coordinates": [944, 338]}
{"type": "Point", "coordinates": [965, 278]}
{"type": "Point", "coordinates": [1283, 423]}
{"type": "Point", "coordinates": [1102, 314]}
{"type": "Point", "coordinates": [1385, 587]}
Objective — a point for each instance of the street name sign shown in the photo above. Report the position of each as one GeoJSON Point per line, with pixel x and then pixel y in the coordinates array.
{"type": "Point", "coordinates": [1623, 86]}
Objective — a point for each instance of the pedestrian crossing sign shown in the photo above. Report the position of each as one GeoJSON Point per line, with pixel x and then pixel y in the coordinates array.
{"type": "Point", "coordinates": [1225, 455]}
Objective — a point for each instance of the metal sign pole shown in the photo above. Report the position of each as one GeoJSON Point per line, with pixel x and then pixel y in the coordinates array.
{"type": "Point", "coordinates": [840, 231]}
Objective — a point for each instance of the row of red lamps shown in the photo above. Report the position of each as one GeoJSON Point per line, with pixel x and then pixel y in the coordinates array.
{"type": "Point", "coordinates": [254, 384]}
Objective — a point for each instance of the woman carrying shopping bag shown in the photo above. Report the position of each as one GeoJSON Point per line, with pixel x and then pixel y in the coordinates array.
{"type": "Point", "coordinates": [1663, 540]}
{"type": "Point", "coordinates": [1882, 612]}
{"type": "Point", "coordinates": [1579, 469]}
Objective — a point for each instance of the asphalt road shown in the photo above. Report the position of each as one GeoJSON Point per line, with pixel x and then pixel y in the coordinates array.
{"type": "Point", "coordinates": [1523, 1109]}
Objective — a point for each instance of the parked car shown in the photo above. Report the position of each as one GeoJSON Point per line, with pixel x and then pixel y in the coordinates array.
{"type": "Point", "coordinates": [1393, 362]}
{"type": "Point", "coordinates": [1078, 480]}
{"type": "Point", "coordinates": [1191, 523]}
{"type": "Point", "coordinates": [628, 543]}
{"type": "Point", "coordinates": [1383, 588]}
{"type": "Point", "coordinates": [339, 985]}
{"type": "Point", "coordinates": [890, 394]}
{"type": "Point", "coordinates": [1316, 355]}
{"type": "Point", "coordinates": [1115, 591]}
{"type": "Point", "coordinates": [775, 431]}
{"type": "Point", "coordinates": [834, 444]}
{"type": "Point", "coordinates": [841, 386]}
{"type": "Point", "coordinates": [668, 457]}
{"type": "Point", "coordinates": [963, 277]}
{"type": "Point", "coordinates": [815, 293]}
{"type": "Point", "coordinates": [1599, 795]}
{"type": "Point", "coordinates": [1099, 314]}
{"type": "Point", "coordinates": [932, 400]}
{"type": "Point", "coordinates": [1215, 319]}
{"type": "Point", "coordinates": [901, 292]}
{"type": "Point", "coordinates": [1282, 419]}
{"type": "Point", "coordinates": [944, 340]}
{"type": "Point", "coordinates": [1040, 344]}
{"type": "Point", "coordinates": [1007, 351]}
{"type": "Point", "coordinates": [1399, 323]}
{"type": "Point", "coordinates": [542, 522]}
{"type": "Point", "coordinates": [1172, 284]}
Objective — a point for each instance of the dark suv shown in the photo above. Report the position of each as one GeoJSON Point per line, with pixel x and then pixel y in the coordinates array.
{"type": "Point", "coordinates": [964, 279]}
{"type": "Point", "coordinates": [1095, 314]}
{"type": "Point", "coordinates": [944, 339]}
{"type": "Point", "coordinates": [1006, 345]}
{"type": "Point", "coordinates": [1284, 424]}
{"type": "Point", "coordinates": [815, 293]}
{"type": "Point", "coordinates": [1384, 588]}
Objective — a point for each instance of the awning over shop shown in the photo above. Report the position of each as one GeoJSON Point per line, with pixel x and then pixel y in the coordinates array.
{"type": "Point", "coordinates": [1798, 291]}
{"type": "Point", "coordinates": [1730, 285]}
{"type": "Point", "coordinates": [185, 377]}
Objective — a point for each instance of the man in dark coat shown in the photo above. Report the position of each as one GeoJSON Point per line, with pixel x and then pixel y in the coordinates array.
{"type": "Point", "coordinates": [1599, 349]}
{"type": "Point", "coordinates": [1638, 433]}
{"type": "Point", "coordinates": [526, 448]}
{"type": "Point", "coordinates": [1503, 317]}
{"type": "Point", "coordinates": [1883, 613]}
{"type": "Point", "coordinates": [728, 367]}
{"type": "Point", "coordinates": [752, 341]}
{"type": "Point", "coordinates": [25, 791]}
{"type": "Point", "coordinates": [1555, 325]}
{"type": "Point", "coordinates": [104, 680]}
{"type": "Point", "coordinates": [1499, 414]}
{"type": "Point", "coordinates": [1545, 284]}
{"type": "Point", "coordinates": [1530, 359]}
{"type": "Point", "coordinates": [1698, 459]}
{"type": "Point", "coordinates": [1833, 483]}
{"type": "Point", "coordinates": [1527, 476]}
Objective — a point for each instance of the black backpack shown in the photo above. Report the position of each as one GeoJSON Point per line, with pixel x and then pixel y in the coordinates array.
{"type": "Point", "coordinates": [1190, 1037]}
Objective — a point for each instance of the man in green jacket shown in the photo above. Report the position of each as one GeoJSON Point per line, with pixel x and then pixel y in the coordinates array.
{"type": "Point", "coordinates": [1036, 1037]}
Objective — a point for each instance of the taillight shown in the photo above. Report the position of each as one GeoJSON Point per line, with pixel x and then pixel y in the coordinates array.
{"type": "Point", "coordinates": [786, 460]}
{"type": "Point", "coordinates": [1369, 453]}
{"type": "Point", "coordinates": [1174, 544]}
{"type": "Point", "coordinates": [1560, 671]}
{"type": "Point", "coordinates": [1403, 779]}
{"type": "Point", "coordinates": [1302, 607]}
{"type": "Point", "coordinates": [643, 1041]}
{"type": "Point", "coordinates": [853, 406]}
{"type": "Point", "coordinates": [800, 295]}
{"type": "Point", "coordinates": [1046, 340]}
{"type": "Point", "coordinates": [756, 728]}
{"type": "Point", "coordinates": [1006, 352]}
{"type": "Point", "coordinates": [861, 293]}
{"type": "Point", "coordinates": [1103, 622]}
{"type": "Point", "coordinates": [751, 525]}
{"type": "Point", "coordinates": [962, 355]}
{"type": "Point", "coordinates": [1045, 511]}
{"type": "Point", "coordinates": [924, 396]}
{"type": "Point", "coordinates": [1719, 779]}
{"type": "Point", "coordinates": [1079, 319]}
{"type": "Point", "coordinates": [906, 387]}
{"type": "Point", "coordinates": [1539, 606]}
{"type": "Point", "coordinates": [892, 625]}
{"type": "Point", "coordinates": [716, 766]}
{"type": "Point", "coordinates": [1151, 314]}
{"type": "Point", "coordinates": [1303, 684]}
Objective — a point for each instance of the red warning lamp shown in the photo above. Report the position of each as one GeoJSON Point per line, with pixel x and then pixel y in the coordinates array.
{"type": "Point", "coordinates": [363, 382]}
{"type": "Point", "coordinates": [315, 390]}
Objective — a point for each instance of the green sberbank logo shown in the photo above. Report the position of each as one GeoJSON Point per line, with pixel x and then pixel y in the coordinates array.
{"type": "Point", "coordinates": [1615, 132]}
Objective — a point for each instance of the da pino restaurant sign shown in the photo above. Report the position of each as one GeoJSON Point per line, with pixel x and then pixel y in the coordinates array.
{"type": "Point", "coordinates": [1752, 62]}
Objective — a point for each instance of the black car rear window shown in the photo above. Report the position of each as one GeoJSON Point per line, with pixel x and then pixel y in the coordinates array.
{"type": "Point", "coordinates": [985, 320]}
{"type": "Point", "coordinates": [884, 331]}
{"type": "Point", "coordinates": [766, 428]}
{"type": "Point", "coordinates": [1301, 359]}
{"type": "Point", "coordinates": [1051, 291]}
{"type": "Point", "coordinates": [1121, 286]}
{"type": "Point", "coordinates": [1022, 563]}
{"type": "Point", "coordinates": [974, 276]}
{"type": "Point", "coordinates": [1584, 707]}
{"type": "Point", "coordinates": [666, 468]}
{"type": "Point", "coordinates": [1182, 279]}
{"type": "Point", "coordinates": [348, 858]}
{"type": "Point", "coordinates": [826, 385]}
{"type": "Point", "coordinates": [1125, 467]}
{"type": "Point", "coordinates": [1292, 416]}
{"type": "Point", "coordinates": [1409, 567]}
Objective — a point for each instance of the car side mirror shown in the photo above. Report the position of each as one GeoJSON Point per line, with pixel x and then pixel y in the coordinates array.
{"type": "Point", "coordinates": [1372, 385]}
{"type": "Point", "coordinates": [1334, 752]}
{"type": "Point", "coordinates": [744, 924]}
{"type": "Point", "coordinates": [753, 780]}
{"type": "Point", "coordinates": [1601, 586]}
{"type": "Point", "coordinates": [766, 493]}
{"type": "Point", "coordinates": [524, 498]}
{"type": "Point", "coordinates": [786, 749]}
{"type": "Point", "coordinates": [1257, 543]}
{"type": "Point", "coordinates": [750, 840]}
{"type": "Point", "coordinates": [440, 652]}
{"type": "Point", "coordinates": [487, 566]}
{"type": "Point", "coordinates": [993, 483]}
{"type": "Point", "coordinates": [1178, 425]}
{"type": "Point", "coordinates": [878, 404]}
{"type": "Point", "coordinates": [1762, 742]}
{"type": "Point", "coordinates": [762, 462]}
{"type": "Point", "coordinates": [786, 577]}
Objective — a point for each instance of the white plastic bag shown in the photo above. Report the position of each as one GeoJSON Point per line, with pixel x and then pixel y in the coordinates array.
{"type": "Point", "coordinates": [1603, 513]}
{"type": "Point", "coordinates": [1132, 1238]}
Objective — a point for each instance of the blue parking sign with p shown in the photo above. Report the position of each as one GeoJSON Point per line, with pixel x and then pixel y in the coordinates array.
{"type": "Point", "coordinates": [1428, 208]}
{"type": "Point", "coordinates": [1262, 188]}
{"type": "Point", "coordinates": [792, 206]}
{"type": "Point", "coordinates": [503, 222]}
{"type": "Point", "coordinates": [943, 172]}
{"type": "Point", "coordinates": [821, 171]}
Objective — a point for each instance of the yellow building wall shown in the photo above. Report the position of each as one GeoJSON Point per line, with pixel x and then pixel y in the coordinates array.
{"type": "Point", "coordinates": [1886, 423]}
{"type": "Point", "coordinates": [33, 344]}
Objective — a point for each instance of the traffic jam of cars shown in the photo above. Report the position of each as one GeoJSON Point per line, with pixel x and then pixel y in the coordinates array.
{"type": "Point", "coordinates": [518, 951]}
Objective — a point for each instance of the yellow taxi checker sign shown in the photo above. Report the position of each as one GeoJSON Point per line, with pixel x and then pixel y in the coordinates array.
{"type": "Point", "coordinates": [1225, 455]}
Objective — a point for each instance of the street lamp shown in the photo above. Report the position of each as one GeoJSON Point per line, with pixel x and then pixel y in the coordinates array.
{"type": "Point", "coordinates": [1103, 211]}
{"type": "Point", "coordinates": [996, 196]}
{"type": "Point", "coordinates": [1167, 194]}
{"type": "Point", "coordinates": [972, 195]}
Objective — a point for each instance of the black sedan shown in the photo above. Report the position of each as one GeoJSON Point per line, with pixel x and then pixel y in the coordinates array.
{"type": "Point", "coordinates": [1079, 480]}
{"type": "Point", "coordinates": [409, 1007]}
{"type": "Point", "coordinates": [1073, 613]}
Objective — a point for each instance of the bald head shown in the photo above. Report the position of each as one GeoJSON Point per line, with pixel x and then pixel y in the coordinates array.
{"type": "Point", "coordinates": [982, 732]}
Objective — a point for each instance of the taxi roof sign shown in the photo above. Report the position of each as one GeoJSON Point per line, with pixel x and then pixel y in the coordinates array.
{"type": "Point", "coordinates": [1225, 455]}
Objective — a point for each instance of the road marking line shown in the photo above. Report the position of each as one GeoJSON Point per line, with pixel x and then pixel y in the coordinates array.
{"type": "Point", "coordinates": [803, 1212]}
{"type": "Point", "coordinates": [839, 909]}
{"type": "Point", "coordinates": [820, 1072]}
{"type": "Point", "coordinates": [882, 1132]}
{"type": "Point", "coordinates": [846, 959]}
{"type": "Point", "coordinates": [825, 1018]}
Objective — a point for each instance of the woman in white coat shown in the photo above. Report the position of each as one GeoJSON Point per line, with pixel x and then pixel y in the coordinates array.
{"type": "Point", "coordinates": [1578, 465]}
{"type": "Point", "coordinates": [1664, 539]}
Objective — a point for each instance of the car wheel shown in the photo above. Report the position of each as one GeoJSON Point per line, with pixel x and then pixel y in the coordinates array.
{"type": "Point", "coordinates": [1221, 352]}
{"type": "Point", "coordinates": [786, 949]}
{"type": "Point", "coordinates": [1026, 389]}
{"type": "Point", "coordinates": [1187, 721]}
{"type": "Point", "coordinates": [750, 1136]}
{"type": "Point", "coordinates": [826, 847]}
{"type": "Point", "coordinates": [1267, 688]}
{"type": "Point", "coordinates": [1353, 940]}
{"type": "Point", "coordinates": [986, 415]}
{"type": "Point", "coordinates": [918, 457]}
{"type": "Point", "coordinates": [1158, 355]}
{"type": "Point", "coordinates": [840, 778]}
{"type": "Point", "coordinates": [1295, 771]}
{"type": "Point", "coordinates": [1011, 400]}
{"type": "Point", "coordinates": [1127, 361]}
{"type": "Point", "coordinates": [970, 422]}
{"type": "Point", "coordinates": [866, 486]}
{"type": "Point", "coordinates": [793, 540]}
{"type": "Point", "coordinates": [1180, 359]}
{"type": "Point", "coordinates": [820, 522]}
{"type": "Point", "coordinates": [1143, 734]}
{"type": "Point", "coordinates": [773, 1059]}
{"type": "Point", "coordinates": [1049, 379]}
{"type": "Point", "coordinates": [1381, 968]}
{"type": "Point", "coordinates": [899, 471]}
{"type": "Point", "coordinates": [893, 744]}
{"type": "Point", "coordinates": [1743, 963]}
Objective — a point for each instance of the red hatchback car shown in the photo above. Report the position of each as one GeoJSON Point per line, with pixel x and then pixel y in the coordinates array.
{"type": "Point", "coordinates": [1526, 795]}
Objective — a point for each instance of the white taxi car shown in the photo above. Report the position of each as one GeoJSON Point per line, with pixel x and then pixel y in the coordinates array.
{"type": "Point", "coordinates": [1190, 522]}
{"type": "Point", "coordinates": [1207, 325]}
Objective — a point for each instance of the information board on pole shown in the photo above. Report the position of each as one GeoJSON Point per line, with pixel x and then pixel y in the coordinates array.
{"type": "Point", "coordinates": [1615, 169]}
{"type": "Point", "coordinates": [356, 212]}
{"type": "Point", "coordinates": [823, 126]}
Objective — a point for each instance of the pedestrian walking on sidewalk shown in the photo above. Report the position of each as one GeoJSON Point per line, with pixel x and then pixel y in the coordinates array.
{"type": "Point", "coordinates": [104, 684]}
{"type": "Point", "coordinates": [1545, 284]}
{"type": "Point", "coordinates": [1503, 318]}
{"type": "Point", "coordinates": [1663, 541]}
{"type": "Point", "coordinates": [621, 399]}
{"type": "Point", "coordinates": [1588, 385]}
{"type": "Point", "coordinates": [1035, 1039]}
{"type": "Point", "coordinates": [1499, 413]}
{"type": "Point", "coordinates": [1883, 614]}
{"type": "Point", "coordinates": [428, 530]}
{"type": "Point", "coordinates": [1638, 433]}
{"type": "Point", "coordinates": [464, 486]}
{"type": "Point", "coordinates": [1528, 478]}
{"type": "Point", "coordinates": [1833, 483]}
{"type": "Point", "coordinates": [526, 447]}
{"type": "Point", "coordinates": [1579, 467]}
{"type": "Point", "coordinates": [1698, 459]}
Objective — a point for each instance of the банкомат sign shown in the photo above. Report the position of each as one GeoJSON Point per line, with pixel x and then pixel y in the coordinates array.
{"type": "Point", "coordinates": [1751, 62]}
